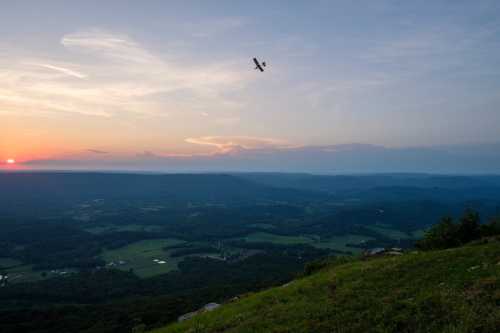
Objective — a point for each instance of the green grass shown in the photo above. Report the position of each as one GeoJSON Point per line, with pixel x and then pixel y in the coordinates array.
{"type": "Point", "coordinates": [455, 290]}
{"type": "Point", "coordinates": [139, 257]}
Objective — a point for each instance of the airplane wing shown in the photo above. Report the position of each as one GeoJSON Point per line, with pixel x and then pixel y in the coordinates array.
{"type": "Point", "coordinates": [257, 65]}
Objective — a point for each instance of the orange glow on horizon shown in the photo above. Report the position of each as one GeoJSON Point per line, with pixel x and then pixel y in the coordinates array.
{"type": "Point", "coordinates": [10, 164]}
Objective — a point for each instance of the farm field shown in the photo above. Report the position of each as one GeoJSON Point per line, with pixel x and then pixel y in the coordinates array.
{"type": "Point", "coordinates": [19, 272]}
{"type": "Point", "coordinates": [140, 256]}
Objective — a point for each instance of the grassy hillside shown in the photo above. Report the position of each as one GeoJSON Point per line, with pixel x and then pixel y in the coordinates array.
{"type": "Point", "coordinates": [456, 290]}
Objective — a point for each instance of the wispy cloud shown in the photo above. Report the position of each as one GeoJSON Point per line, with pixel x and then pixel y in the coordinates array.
{"type": "Point", "coordinates": [121, 75]}
{"type": "Point", "coordinates": [96, 151]}
{"type": "Point", "coordinates": [226, 144]}
{"type": "Point", "coordinates": [110, 45]}
{"type": "Point", "coordinates": [147, 155]}
{"type": "Point", "coordinates": [63, 70]}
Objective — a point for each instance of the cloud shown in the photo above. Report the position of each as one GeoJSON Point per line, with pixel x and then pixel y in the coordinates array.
{"type": "Point", "coordinates": [109, 45]}
{"type": "Point", "coordinates": [121, 75]}
{"type": "Point", "coordinates": [63, 70]}
{"type": "Point", "coordinates": [96, 151]}
{"type": "Point", "coordinates": [97, 40]}
{"type": "Point", "coordinates": [147, 155]}
{"type": "Point", "coordinates": [230, 144]}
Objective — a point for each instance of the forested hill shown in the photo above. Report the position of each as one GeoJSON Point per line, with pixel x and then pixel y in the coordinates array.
{"type": "Point", "coordinates": [45, 194]}
{"type": "Point", "coordinates": [454, 290]}
{"type": "Point", "coordinates": [336, 183]}
{"type": "Point", "coordinates": [116, 185]}
{"type": "Point", "coordinates": [50, 189]}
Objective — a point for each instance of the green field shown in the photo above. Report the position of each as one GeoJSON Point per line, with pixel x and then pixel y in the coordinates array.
{"type": "Point", "coordinates": [23, 273]}
{"type": "Point", "coordinates": [139, 257]}
{"type": "Point", "coordinates": [18, 272]}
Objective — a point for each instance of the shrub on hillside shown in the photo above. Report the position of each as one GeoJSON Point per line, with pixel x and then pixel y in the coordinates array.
{"type": "Point", "coordinates": [447, 234]}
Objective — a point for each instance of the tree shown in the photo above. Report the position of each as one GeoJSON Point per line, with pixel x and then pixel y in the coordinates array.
{"type": "Point", "coordinates": [492, 228]}
{"type": "Point", "coordinates": [440, 236]}
{"type": "Point", "coordinates": [469, 227]}
{"type": "Point", "coordinates": [447, 234]}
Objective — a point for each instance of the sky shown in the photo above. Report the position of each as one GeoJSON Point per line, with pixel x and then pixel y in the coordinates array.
{"type": "Point", "coordinates": [361, 86]}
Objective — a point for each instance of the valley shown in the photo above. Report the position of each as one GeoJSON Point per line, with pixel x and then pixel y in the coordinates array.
{"type": "Point", "coordinates": [181, 241]}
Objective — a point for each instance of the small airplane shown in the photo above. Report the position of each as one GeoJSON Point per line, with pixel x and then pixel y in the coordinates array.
{"type": "Point", "coordinates": [258, 65]}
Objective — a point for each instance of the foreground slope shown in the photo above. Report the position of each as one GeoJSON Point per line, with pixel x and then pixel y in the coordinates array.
{"type": "Point", "coordinates": [456, 290]}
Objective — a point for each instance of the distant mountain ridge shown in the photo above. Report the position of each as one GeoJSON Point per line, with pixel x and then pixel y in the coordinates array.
{"type": "Point", "coordinates": [335, 183]}
{"type": "Point", "coordinates": [478, 158]}
{"type": "Point", "coordinates": [67, 189]}
{"type": "Point", "coordinates": [45, 188]}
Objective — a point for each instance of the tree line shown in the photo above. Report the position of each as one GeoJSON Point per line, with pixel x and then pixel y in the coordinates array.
{"type": "Point", "coordinates": [449, 233]}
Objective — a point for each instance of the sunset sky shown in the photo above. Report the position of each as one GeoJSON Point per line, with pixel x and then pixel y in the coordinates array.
{"type": "Point", "coordinates": [159, 84]}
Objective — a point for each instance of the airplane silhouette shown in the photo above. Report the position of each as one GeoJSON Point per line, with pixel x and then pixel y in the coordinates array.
{"type": "Point", "coordinates": [258, 65]}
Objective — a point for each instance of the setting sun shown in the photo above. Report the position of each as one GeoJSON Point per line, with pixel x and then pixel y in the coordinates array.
{"type": "Point", "coordinates": [11, 161]}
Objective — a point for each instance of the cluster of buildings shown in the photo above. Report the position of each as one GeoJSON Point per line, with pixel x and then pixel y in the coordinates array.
{"type": "Point", "coordinates": [159, 262]}
{"type": "Point", "coordinates": [3, 280]}
{"type": "Point", "coordinates": [58, 272]}
{"type": "Point", "coordinates": [116, 263]}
